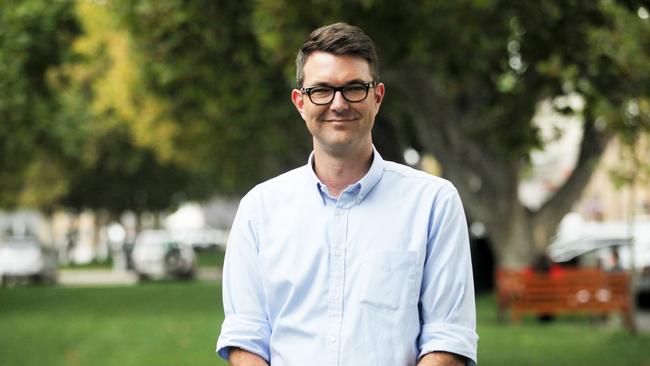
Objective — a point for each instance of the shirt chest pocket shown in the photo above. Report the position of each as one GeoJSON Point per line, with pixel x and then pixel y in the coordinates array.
{"type": "Point", "coordinates": [390, 279]}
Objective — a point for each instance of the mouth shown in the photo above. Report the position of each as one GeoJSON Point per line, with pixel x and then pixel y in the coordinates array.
{"type": "Point", "coordinates": [340, 120]}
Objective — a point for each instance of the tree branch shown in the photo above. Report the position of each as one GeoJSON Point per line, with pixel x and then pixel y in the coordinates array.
{"type": "Point", "coordinates": [591, 148]}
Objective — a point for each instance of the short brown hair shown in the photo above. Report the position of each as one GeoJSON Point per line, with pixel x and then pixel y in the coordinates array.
{"type": "Point", "coordinates": [338, 39]}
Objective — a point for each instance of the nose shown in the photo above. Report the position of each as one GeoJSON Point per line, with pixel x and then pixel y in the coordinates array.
{"type": "Point", "coordinates": [339, 103]}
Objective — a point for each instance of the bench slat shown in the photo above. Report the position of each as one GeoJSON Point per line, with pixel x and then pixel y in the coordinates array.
{"type": "Point", "coordinates": [589, 291]}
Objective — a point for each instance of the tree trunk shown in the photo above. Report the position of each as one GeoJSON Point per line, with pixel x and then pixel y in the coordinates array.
{"type": "Point", "coordinates": [486, 177]}
{"type": "Point", "coordinates": [513, 240]}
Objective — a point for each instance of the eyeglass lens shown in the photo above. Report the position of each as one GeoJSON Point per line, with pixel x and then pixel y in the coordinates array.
{"type": "Point", "coordinates": [351, 93]}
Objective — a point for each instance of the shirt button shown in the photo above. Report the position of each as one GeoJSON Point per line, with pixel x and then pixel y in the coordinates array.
{"type": "Point", "coordinates": [338, 252]}
{"type": "Point", "coordinates": [332, 339]}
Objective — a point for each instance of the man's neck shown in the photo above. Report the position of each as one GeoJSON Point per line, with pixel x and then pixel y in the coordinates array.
{"type": "Point", "coordinates": [337, 172]}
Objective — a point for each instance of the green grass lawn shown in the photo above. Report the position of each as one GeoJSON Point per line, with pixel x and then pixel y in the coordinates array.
{"type": "Point", "coordinates": [172, 323]}
{"type": "Point", "coordinates": [568, 340]}
{"type": "Point", "coordinates": [154, 324]}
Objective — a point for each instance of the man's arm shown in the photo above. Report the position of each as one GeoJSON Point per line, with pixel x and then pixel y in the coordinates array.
{"type": "Point", "coordinates": [447, 309]}
{"type": "Point", "coordinates": [441, 359]}
{"type": "Point", "coordinates": [240, 357]}
{"type": "Point", "coordinates": [246, 323]}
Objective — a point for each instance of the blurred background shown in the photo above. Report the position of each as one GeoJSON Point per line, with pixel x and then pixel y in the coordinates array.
{"type": "Point", "coordinates": [129, 130]}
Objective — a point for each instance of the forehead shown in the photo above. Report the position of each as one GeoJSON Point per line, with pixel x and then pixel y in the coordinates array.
{"type": "Point", "coordinates": [328, 68]}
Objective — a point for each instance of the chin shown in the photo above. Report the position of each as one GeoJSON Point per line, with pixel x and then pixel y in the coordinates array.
{"type": "Point", "coordinates": [342, 144]}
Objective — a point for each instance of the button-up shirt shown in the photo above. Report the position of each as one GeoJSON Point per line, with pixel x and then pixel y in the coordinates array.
{"type": "Point", "coordinates": [380, 275]}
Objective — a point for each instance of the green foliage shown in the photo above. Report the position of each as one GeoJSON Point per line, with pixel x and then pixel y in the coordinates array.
{"type": "Point", "coordinates": [124, 177]}
{"type": "Point", "coordinates": [68, 99]}
{"type": "Point", "coordinates": [230, 108]}
{"type": "Point", "coordinates": [114, 173]}
{"type": "Point", "coordinates": [465, 78]}
{"type": "Point", "coordinates": [491, 62]}
{"type": "Point", "coordinates": [35, 37]}
{"type": "Point", "coordinates": [162, 100]}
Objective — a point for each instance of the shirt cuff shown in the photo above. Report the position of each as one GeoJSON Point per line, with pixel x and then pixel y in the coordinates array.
{"type": "Point", "coordinates": [447, 337]}
{"type": "Point", "coordinates": [247, 333]}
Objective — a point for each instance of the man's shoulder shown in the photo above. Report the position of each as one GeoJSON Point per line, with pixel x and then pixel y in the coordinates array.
{"type": "Point", "coordinates": [285, 182]}
{"type": "Point", "coordinates": [409, 175]}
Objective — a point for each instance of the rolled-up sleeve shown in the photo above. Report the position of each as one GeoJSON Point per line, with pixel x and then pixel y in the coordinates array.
{"type": "Point", "coordinates": [447, 306]}
{"type": "Point", "coordinates": [246, 323]}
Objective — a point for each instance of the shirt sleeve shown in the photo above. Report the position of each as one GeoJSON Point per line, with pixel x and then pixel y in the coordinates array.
{"type": "Point", "coordinates": [246, 323]}
{"type": "Point", "coordinates": [447, 307]}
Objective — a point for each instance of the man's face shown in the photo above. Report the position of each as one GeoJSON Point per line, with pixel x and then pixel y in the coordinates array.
{"type": "Point", "coordinates": [339, 126]}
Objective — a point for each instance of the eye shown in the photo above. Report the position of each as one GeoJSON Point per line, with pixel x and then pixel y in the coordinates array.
{"type": "Point", "coordinates": [355, 88]}
{"type": "Point", "coordinates": [318, 91]}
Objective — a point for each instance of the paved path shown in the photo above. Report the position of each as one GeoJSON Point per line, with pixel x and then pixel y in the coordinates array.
{"type": "Point", "coordinates": [96, 277]}
{"type": "Point", "coordinates": [643, 320]}
{"type": "Point", "coordinates": [107, 277]}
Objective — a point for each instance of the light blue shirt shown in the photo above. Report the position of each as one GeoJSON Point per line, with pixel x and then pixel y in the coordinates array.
{"type": "Point", "coordinates": [380, 276]}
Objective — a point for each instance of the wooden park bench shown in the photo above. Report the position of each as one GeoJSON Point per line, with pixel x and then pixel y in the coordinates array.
{"type": "Point", "coordinates": [586, 291]}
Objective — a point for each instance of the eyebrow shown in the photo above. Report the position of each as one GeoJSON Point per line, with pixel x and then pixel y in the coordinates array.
{"type": "Point", "coordinates": [350, 82]}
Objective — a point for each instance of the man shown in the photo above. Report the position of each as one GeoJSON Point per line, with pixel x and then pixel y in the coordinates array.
{"type": "Point", "coordinates": [350, 259]}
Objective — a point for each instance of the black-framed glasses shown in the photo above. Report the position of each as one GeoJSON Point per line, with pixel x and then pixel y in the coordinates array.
{"type": "Point", "coordinates": [353, 93]}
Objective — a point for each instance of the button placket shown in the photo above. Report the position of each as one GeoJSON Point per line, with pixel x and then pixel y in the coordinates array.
{"type": "Point", "coordinates": [336, 285]}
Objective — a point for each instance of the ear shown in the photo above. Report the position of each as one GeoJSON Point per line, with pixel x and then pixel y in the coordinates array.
{"type": "Point", "coordinates": [378, 94]}
{"type": "Point", "coordinates": [298, 101]}
{"type": "Point", "coordinates": [380, 89]}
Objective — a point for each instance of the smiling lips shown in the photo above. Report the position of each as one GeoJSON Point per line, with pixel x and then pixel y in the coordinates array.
{"type": "Point", "coordinates": [339, 120]}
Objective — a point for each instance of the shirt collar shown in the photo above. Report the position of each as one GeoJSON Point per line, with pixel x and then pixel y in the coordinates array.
{"type": "Point", "coordinates": [360, 188]}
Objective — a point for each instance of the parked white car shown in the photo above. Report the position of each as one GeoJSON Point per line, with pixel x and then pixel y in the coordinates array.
{"type": "Point", "coordinates": [25, 259]}
{"type": "Point", "coordinates": [202, 238]}
{"type": "Point", "coordinates": [157, 254]}
{"type": "Point", "coordinates": [606, 244]}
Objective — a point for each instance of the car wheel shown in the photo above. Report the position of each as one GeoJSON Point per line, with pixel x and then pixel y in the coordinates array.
{"type": "Point", "coordinates": [187, 276]}
{"type": "Point", "coordinates": [173, 260]}
{"type": "Point", "coordinates": [50, 278]}
{"type": "Point", "coordinates": [37, 279]}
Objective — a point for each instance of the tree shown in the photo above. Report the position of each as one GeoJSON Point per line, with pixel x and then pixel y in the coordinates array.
{"type": "Point", "coordinates": [100, 91]}
{"type": "Point", "coordinates": [227, 107]}
{"type": "Point", "coordinates": [465, 79]}
{"type": "Point", "coordinates": [69, 92]}
{"type": "Point", "coordinates": [36, 143]}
